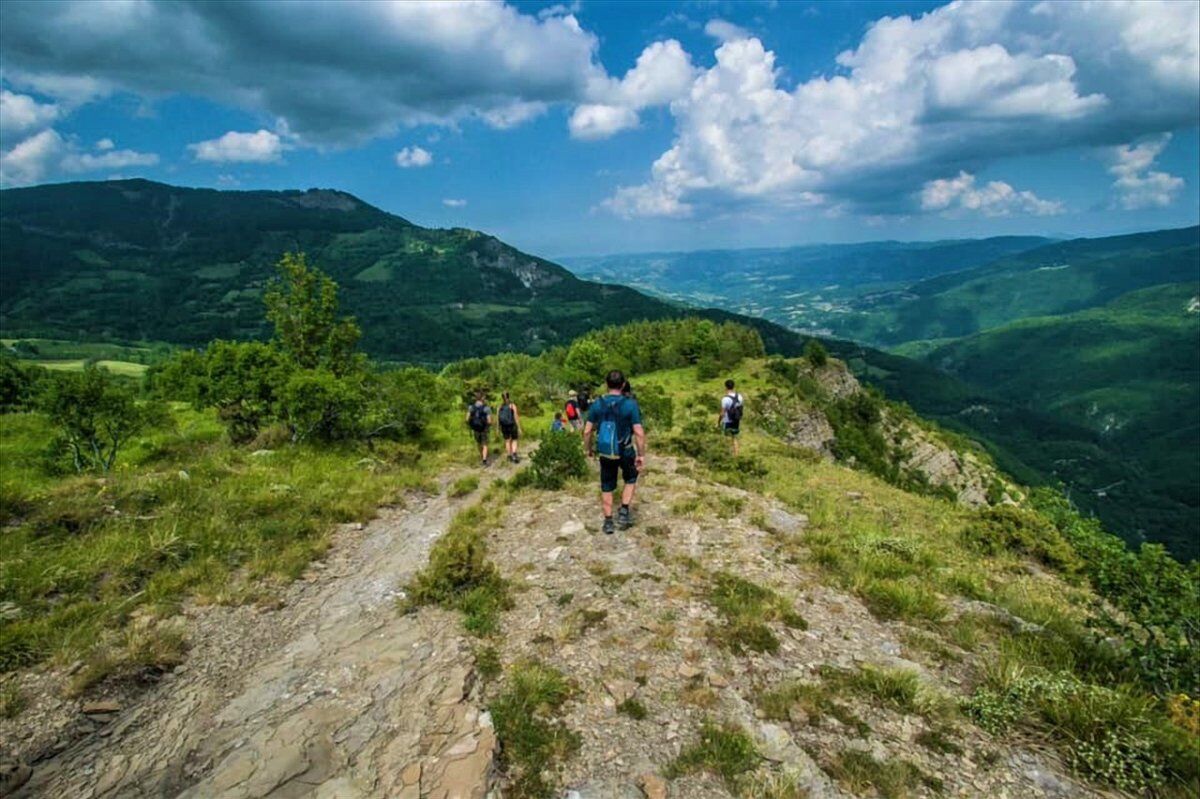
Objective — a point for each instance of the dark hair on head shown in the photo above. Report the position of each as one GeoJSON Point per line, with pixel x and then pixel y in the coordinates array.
{"type": "Point", "coordinates": [478, 395]}
{"type": "Point", "coordinates": [615, 379]}
{"type": "Point", "coordinates": [729, 384]}
{"type": "Point", "coordinates": [506, 396]}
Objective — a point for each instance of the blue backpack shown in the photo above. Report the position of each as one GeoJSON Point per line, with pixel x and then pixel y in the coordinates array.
{"type": "Point", "coordinates": [608, 443]}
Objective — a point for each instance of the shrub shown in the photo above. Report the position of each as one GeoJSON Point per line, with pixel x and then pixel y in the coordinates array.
{"type": "Point", "coordinates": [460, 576]}
{"type": "Point", "coordinates": [1110, 734]}
{"type": "Point", "coordinates": [18, 384]}
{"type": "Point", "coordinates": [403, 403]}
{"type": "Point", "coordinates": [558, 458]}
{"type": "Point", "coordinates": [321, 406]}
{"type": "Point", "coordinates": [1010, 529]}
{"type": "Point", "coordinates": [815, 353]}
{"type": "Point", "coordinates": [658, 410]}
{"type": "Point", "coordinates": [95, 415]}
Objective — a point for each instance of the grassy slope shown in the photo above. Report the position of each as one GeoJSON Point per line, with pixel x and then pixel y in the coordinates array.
{"type": "Point", "coordinates": [1129, 372]}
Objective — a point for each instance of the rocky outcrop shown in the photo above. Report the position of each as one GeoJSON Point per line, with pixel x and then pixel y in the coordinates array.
{"type": "Point", "coordinates": [335, 694]}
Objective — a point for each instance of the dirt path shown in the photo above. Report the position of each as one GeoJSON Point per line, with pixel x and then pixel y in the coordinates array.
{"type": "Point", "coordinates": [333, 695]}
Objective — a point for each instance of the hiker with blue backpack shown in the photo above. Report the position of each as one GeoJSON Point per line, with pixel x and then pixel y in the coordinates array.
{"type": "Point", "coordinates": [615, 422]}
{"type": "Point", "coordinates": [730, 417]}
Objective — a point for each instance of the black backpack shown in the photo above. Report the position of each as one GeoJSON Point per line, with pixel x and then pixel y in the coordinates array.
{"type": "Point", "coordinates": [478, 418]}
{"type": "Point", "coordinates": [507, 417]}
{"type": "Point", "coordinates": [733, 416]}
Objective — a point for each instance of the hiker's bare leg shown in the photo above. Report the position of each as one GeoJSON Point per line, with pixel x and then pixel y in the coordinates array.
{"type": "Point", "coordinates": [606, 500]}
{"type": "Point", "coordinates": [735, 446]}
{"type": "Point", "coordinates": [483, 452]}
{"type": "Point", "coordinates": [626, 496]}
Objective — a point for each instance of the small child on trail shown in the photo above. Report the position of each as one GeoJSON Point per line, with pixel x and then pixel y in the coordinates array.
{"type": "Point", "coordinates": [510, 427]}
{"type": "Point", "coordinates": [557, 425]}
{"type": "Point", "coordinates": [479, 419]}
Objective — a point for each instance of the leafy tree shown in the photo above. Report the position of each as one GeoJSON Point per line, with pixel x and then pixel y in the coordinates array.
{"type": "Point", "coordinates": [816, 353]}
{"type": "Point", "coordinates": [586, 361]}
{"type": "Point", "coordinates": [402, 403]}
{"type": "Point", "coordinates": [18, 383]}
{"type": "Point", "coordinates": [95, 414]}
{"type": "Point", "coordinates": [319, 405]}
{"type": "Point", "coordinates": [302, 304]}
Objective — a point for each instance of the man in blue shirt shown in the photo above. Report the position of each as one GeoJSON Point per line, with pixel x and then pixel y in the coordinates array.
{"type": "Point", "coordinates": [632, 438]}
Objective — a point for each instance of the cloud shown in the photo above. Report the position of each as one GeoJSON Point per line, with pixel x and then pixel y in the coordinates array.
{"type": "Point", "coordinates": [259, 147]}
{"type": "Point", "coordinates": [663, 73]}
{"type": "Point", "coordinates": [997, 198]}
{"type": "Point", "coordinates": [560, 10]}
{"type": "Point", "coordinates": [956, 89]}
{"type": "Point", "coordinates": [451, 203]}
{"type": "Point", "coordinates": [105, 144]}
{"type": "Point", "coordinates": [227, 181]}
{"type": "Point", "coordinates": [1136, 185]}
{"type": "Point", "coordinates": [338, 73]}
{"type": "Point", "coordinates": [20, 114]}
{"type": "Point", "coordinates": [414, 156]}
{"type": "Point", "coordinates": [48, 153]}
{"type": "Point", "coordinates": [725, 31]}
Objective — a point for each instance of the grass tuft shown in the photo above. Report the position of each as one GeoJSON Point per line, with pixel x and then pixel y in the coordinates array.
{"type": "Point", "coordinates": [534, 741]}
{"type": "Point", "coordinates": [725, 750]}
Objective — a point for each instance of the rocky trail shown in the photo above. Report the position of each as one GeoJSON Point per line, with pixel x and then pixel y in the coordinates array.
{"type": "Point", "coordinates": [337, 695]}
{"type": "Point", "coordinates": [334, 694]}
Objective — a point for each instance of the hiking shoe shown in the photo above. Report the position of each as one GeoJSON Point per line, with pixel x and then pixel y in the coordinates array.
{"type": "Point", "coordinates": [624, 519]}
{"type": "Point", "coordinates": [608, 525]}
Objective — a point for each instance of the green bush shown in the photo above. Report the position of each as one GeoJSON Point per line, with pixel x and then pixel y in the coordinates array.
{"type": "Point", "coordinates": [321, 406]}
{"type": "Point", "coordinates": [96, 414]}
{"type": "Point", "coordinates": [815, 353]}
{"type": "Point", "coordinates": [1009, 529]}
{"type": "Point", "coordinates": [658, 410]}
{"type": "Point", "coordinates": [558, 458]}
{"type": "Point", "coordinates": [18, 384]}
{"type": "Point", "coordinates": [401, 404]}
{"type": "Point", "coordinates": [1110, 734]}
{"type": "Point", "coordinates": [1151, 602]}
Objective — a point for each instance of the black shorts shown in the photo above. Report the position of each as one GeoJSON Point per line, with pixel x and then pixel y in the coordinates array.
{"type": "Point", "coordinates": [509, 432]}
{"type": "Point", "coordinates": [627, 466]}
{"type": "Point", "coordinates": [481, 436]}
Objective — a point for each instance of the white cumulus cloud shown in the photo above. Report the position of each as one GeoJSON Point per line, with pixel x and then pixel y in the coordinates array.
{"type": "Point", "coordinates": [20, 114]}
{"type": "Point", "coordinates": [47, 153]}
{"type": "Point", "coordinates": [260, 147]}
{"type": "Point", "coordinates": [956, 89]}
{"type": "Point", "coordinates": [452, 203]}
{"type": "Point", "coordinates": [1136, 184]}
{"type": "Point", "coordinates": [663, 72]}
{"type": "Point", "coordinates": [409, 157]}
{"type": "Point", "coordinates": [995, 198]}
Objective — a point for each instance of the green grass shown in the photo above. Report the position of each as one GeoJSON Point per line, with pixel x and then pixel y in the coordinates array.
{"type": "Point", "coordinates": [634, 709]}
{"type": "Point", "coordinates": [184, 514]}
{"type": "Point", "coordinates": [745, 608]}
{"type": "Point", "coordinates": [814, 700]}
{"type": "Point", "coordinates": [464, 485]}
{"type": "Point", "coordinates": [859, 772]}
{"type": "Point", "coordinates": [459, 574]}
{"type": "Point", "coordinates": [534, 741]}
{"type": "Point", "coordinates": [724, 750]}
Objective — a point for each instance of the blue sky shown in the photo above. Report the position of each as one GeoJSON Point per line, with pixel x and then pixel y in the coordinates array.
{"type": "Point", "coordinates": [605, 127]}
